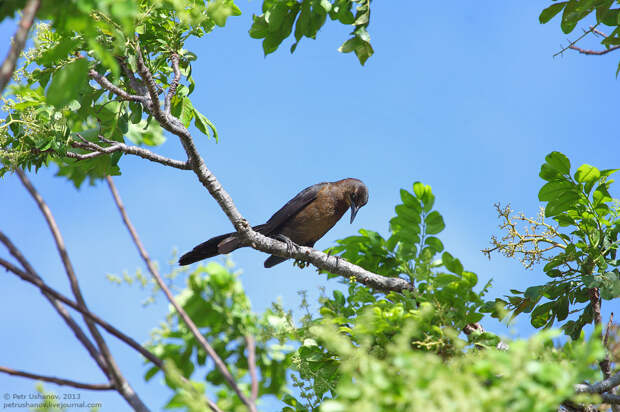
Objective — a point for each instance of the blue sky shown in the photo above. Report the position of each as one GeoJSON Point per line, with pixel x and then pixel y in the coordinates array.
{"type": "Point", "coordinates": [466, 98]}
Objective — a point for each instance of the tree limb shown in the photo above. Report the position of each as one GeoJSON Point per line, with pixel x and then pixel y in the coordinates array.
{"type": "Point", "coordinates": [58, 381]}
{"type": "Point", "coordinates": [251, 345]}
{"type": "Point", "coordinates": [219, 363]}
{"type": "Point", "coordinates": [593, 52]}
{"type": "Point", "coordinates": [97, 150]}
{"type": "Point", "coordinates": [174, 59]}
{"type": "Point", "coordinates": [62, 311]}
{"type": "Point", "coordinates": [599, 387]}
{"type": "Point", "coordinates": [18, 43]}
{"type": "Point", "coordinates": [332, 264]}
{"type": "Point", "coordinates": [108, 85]}
{"type": "Point", "coordinates": [45, 289]}
{"type": "Point", "coordinates": [113, 372]}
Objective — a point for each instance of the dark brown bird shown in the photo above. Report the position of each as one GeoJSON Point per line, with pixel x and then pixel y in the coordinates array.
{"type": "Point", "coordinates": [302, 221]}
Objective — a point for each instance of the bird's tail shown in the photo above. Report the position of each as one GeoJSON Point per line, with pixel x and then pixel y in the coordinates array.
{"type": "Point", "coordinates": [210, 248]}
{"type": "Point", "coordinates": [217, 245]}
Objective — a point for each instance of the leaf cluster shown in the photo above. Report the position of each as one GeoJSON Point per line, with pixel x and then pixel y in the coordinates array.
{"type": "Point", "coordinates": [574, 11]}
{"type": "Point", "coordinates": [56, 103]}
{"type": "Point", "coordinates": [279, 17]}
{"type": "Point", "coordinates": [581, 205]}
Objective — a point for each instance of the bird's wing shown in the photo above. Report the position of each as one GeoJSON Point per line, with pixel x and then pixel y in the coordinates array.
{"type": "Point", "coordinates": [291, 208]}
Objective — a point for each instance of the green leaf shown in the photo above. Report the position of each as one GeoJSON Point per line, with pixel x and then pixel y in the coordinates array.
{"type": "Point", "coordinates": [434, 243]}
{"type": "Point", "coordinates": [220, 10]}
{"type": "Point", "coordinates": [67, 83]}
{"type": "Point", "coordinates": [408, 214]}
{"type": "Point", "coordinates": [550, 12]}
{"type": "Point", "coordinates": [419, 189]}
{"type": "Point", "coordinates": [564, 202]}
{"type": "Point", "coordinates": [541, 315]}
{"type": "Point", "coordinates": [559, 162]}
{"type": "Point", "coordinates": [534, 292]}
{"type": "Point", "coordinates": [362, 48]}
{"type": "Point", "coordinates": [608, 172]}
{"type": "Point", "coordinates": [451, 263]}
{"type": "Point", "coordinates": [552, 190]}
{"type": "Point", "coordinates": [147, 133]}
{"type": "Point", "coordinates": [183, 109]}
{"type": "Point", "coordinates": [260, 28]}
{"type": "Point", "coordinates": [561, 308]}
{"type": "Point", "coordinates": [203, 124]}
{"type": "Point", "coordinates": [587, 174]}
{"type": "Point", "coordinates": [434, 223]}
{"type": "Point", "coordinates": [570, 17]}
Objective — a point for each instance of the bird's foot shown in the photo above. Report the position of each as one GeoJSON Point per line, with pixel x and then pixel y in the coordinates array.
{"type": "Point", "coordinates": [329, 253]}
{"type": "Point", "coordinates": [290, 245]}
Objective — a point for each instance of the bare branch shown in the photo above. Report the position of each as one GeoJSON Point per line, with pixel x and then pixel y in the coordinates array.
{"type": "Point", "coordinates": [219, 363]}
{"type": "Point", "coordinates": [107, 85]}
{"type": "Point", "coordinates": [113, 371]}
{"type": "Point", "coordinates": [62, 311]}
{"type": "Point", "coordinates": [19, 41]}
{"type": "Point", "coordinates": [599, 387]}
{"type": "Point", "coordinates": [585, 33]}
{"type": "Point", "coordinates": [147, 77]}
{"type": "Point", "coordinates": [174, 59]}
{"type": "Point", "coordinates": [47, 290]}
{"type": "Point", "coordinates": [332, 264]}
{"type": "Point", "coordinates": [135, 84]}
{"type": "Point", "coordinates": [132, 150]}
{"type": "Point", "coordinates": [58, 381]}
{"type": "Point", "coordinates": [251, 345]}
{"type": "Point", "coordinates": [527, 241]}
{"type": "Point", "coordinates": [593, 52]}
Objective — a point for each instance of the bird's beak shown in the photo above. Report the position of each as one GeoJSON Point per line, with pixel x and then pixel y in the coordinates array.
{"type": "Point", "coordinates": [354, 209]}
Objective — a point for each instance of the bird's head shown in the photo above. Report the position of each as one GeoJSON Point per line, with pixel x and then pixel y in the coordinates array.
{"type": "Point", "coordinates": [357, 195]}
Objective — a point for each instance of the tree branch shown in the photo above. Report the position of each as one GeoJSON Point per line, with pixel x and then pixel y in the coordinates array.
{"type": "Point", "coordinates": [599, 387]}
{"type": "Point", "coordinates": [332, 264]}
{"type": "Point", "coordinates": [19, 41]}
{"type": "Point", "coordinates": [593, 52]}
{"type": "Point", "coordinates": [251, 345]}
{"type": "Point", "coordinates": [132, 150]}
{"type": "Point", "coordinates": [58, 381]}
{"type": "Point", "coordinates": [174, 59]}
{"type": "Point", "coordinates": [107, 85]}
{"type": "Point", "coordinates": [219, 363]}
{"type": "Point", "coordinates": [113, 371]}
{"type": "Point", "coordinates": [45, 289]}
{"type": "Point", "coordinates": [62, 311]}
{"type": "Point", "coordinates": [585, 33]}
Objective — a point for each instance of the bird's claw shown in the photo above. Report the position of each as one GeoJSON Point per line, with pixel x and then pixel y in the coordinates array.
{"type": "Point", "coordinates": [329, 253]}
{"type": "Point", "coordinates": [290, 245]}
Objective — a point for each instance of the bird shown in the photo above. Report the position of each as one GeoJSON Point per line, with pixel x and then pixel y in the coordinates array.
{"type": "Point", "coordinates": [303, 220]}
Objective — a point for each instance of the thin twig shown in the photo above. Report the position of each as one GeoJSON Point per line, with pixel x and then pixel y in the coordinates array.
{"type": "Point", "coordinates": [219, 363]}
{"type": "Point", "coordinates": [113, 371]}
{"type": "Point", "coordinates": [251, 345]}
{"type": "Point", "coordinates": [58, 381]}
{"type": "Point", "coordinates": [132, 150]}
{"type": "Point", "coordinates": [585, 33]}
{"type": "Point", "coordinates": [46, 289]}
{"type": "Point", "coordinates": [19, 41]}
